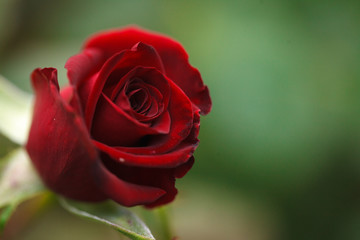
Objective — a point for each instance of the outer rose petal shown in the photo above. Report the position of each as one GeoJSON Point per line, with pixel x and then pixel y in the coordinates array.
{"type": "Point", "coordinates": [61, 150]}
{"type": "Point", "coordinates": [81, 66]}
{"type": "Point", "coordinates": [145, 158]}
{"type": "Point", "coordinates": [123, 192]}
{"type": "Point", "coordinates": [163, 178]}
{"type": "Point", "coordinates": [173, 55]}
{"type": "Point", "coordinates": [81, 71]}
{"type": "Point", "coordinates": [177, 156]}
{"type": "Point", "coordinates": [58, 145]}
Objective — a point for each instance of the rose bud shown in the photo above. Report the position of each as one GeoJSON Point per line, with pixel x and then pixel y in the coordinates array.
{"type": "Point", "coordinates": [127, 124]}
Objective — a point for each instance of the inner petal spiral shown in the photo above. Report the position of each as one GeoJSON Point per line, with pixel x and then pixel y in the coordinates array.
{"type": "Point", "coordinates": [137, 99]}
{"type": "Point", "coordinates": [134, 108]}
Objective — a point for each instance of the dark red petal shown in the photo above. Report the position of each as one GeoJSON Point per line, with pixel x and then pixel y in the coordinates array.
{"type": "Point", "coordinates": [62, 152]}
{"type": "Point", "coordinates": [150, 158]}
{"type": "Point", "coordinates": [72, 99]}
{"type": "Point", "coordinates": [138, 99]}
{"type": "Point", "coordinates": [163, 178]}
{"type": "Point", "coordinates": [147, 55]}
{"type": "Point", "coordinates": [82, 69]}
{"type": "Point", "coordinates": [139, 55]}
{"type": "Point", "coordinates": [172, 54]}
{"type": "Point", "coordinates": [115, 127]}
{"type": "Point", "coordinates": [163, 123]}
{"type": "Point", "coordinates": [192, 137]}
{"type": "Point", "coordinates": [125, 193]}
{"type": "Point", "coordinates": [153, 82]}
{"type": "Point", "coordinates": [169, 150]}
{"type": "Point", "coordinates": [58, 143]}
{"type": "Point", "coordinates": [169, 187]}
{"type": "Point", "coordinates": [176, 157]}
{"type": "Point", "coordinates": [81, 66]}
{"type": "Point", "coordinates": [182, 117]}
{"type": "Point", "coordinates": [180, 171]}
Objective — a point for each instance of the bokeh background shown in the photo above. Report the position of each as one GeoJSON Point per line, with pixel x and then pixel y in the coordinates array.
{"type": "Point", "coordinates": [279, 156]}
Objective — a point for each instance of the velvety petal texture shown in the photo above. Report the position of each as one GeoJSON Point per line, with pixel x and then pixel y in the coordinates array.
{"type": "Point", "coordinates": [58, 142]}
{"type": "Point", "coordinates": [61, 150]}
{"type": "Point", "coordinates": [173, 56]}
{"type": "Point", "coordinates": [126, 127]}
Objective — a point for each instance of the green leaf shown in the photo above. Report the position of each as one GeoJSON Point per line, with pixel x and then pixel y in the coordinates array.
{"type": "Point", "coordinates": [18, 179]}
{"type": "Point", "coordinates": [110, 213]}
{"type": "Point", "coordinates": [18, 182]}
{"type": "Point", "coordinates": [6, 146]}
{"type": "Point", "coordinates": [15, 114]}
{"type": "Point", "coordinates": [5, 215]}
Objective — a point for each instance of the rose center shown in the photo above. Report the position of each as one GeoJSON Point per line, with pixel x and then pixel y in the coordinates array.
{"type": "Point", "coordinates": [137, 99]}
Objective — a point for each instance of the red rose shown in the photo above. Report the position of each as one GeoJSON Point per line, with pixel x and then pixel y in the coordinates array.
{"type": "Point", "coordinates": [127, 124]}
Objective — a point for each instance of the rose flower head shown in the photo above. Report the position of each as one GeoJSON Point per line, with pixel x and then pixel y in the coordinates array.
{"type": "Point", "coordinates": [126, 125]}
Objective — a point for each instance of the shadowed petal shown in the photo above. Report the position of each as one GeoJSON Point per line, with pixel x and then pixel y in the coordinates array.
{"type": "Point", "coordinates": [58, 142]}
{"type": "Point", "coordinates": [125, 193]}
{"type": "Point", "coordinates": [162, 178]}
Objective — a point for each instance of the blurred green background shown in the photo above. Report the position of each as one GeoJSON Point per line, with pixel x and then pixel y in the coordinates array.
{"type": "Point", "coordinates": [279, 156]}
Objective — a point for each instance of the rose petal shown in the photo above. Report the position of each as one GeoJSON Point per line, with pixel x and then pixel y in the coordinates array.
{"type": "Point", "coordinates": [72, 99]}
{"type": "Point", "coordinates": [155, 177]}
{"type": "Point", "coordinates": [176, 157]}
{"type": "Point", "coordinates": [171, 191]}
{"type": "Point", "coordinates": [173, 56]}
{"type": "Point", "coordinates": [115, 127]}
{"type": "Point", "coordinates": [81, 66]}
{"type": "Point", "coordinates": [58, 143]}
{"type": "Point", "coordinates": [169, 150]}
{"type": "Point", "coordinates": [64, 155]}
{"type": "Point", "coordinates": [147, 157]}
{"type": "Point", "coordinates": [82, 71]}
{"type": "Point", "coordinates": [181, 121]}
{"type": "Point", "coordinates": [154, 83]}
{"type": "Point", "coordinates": [181, 170]}
{"type": "Point", "coordinates": [139, 55]}
{"type": "Point", "coordinates": [137, 98]}
{"type": "Point", "coordinates": [163, 123]}
{"type": "Point", "coordinates": [123, 192]}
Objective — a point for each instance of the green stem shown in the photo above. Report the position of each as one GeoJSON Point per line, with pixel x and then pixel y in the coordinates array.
{"type": "Point", "coordinates": [165, 225]}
